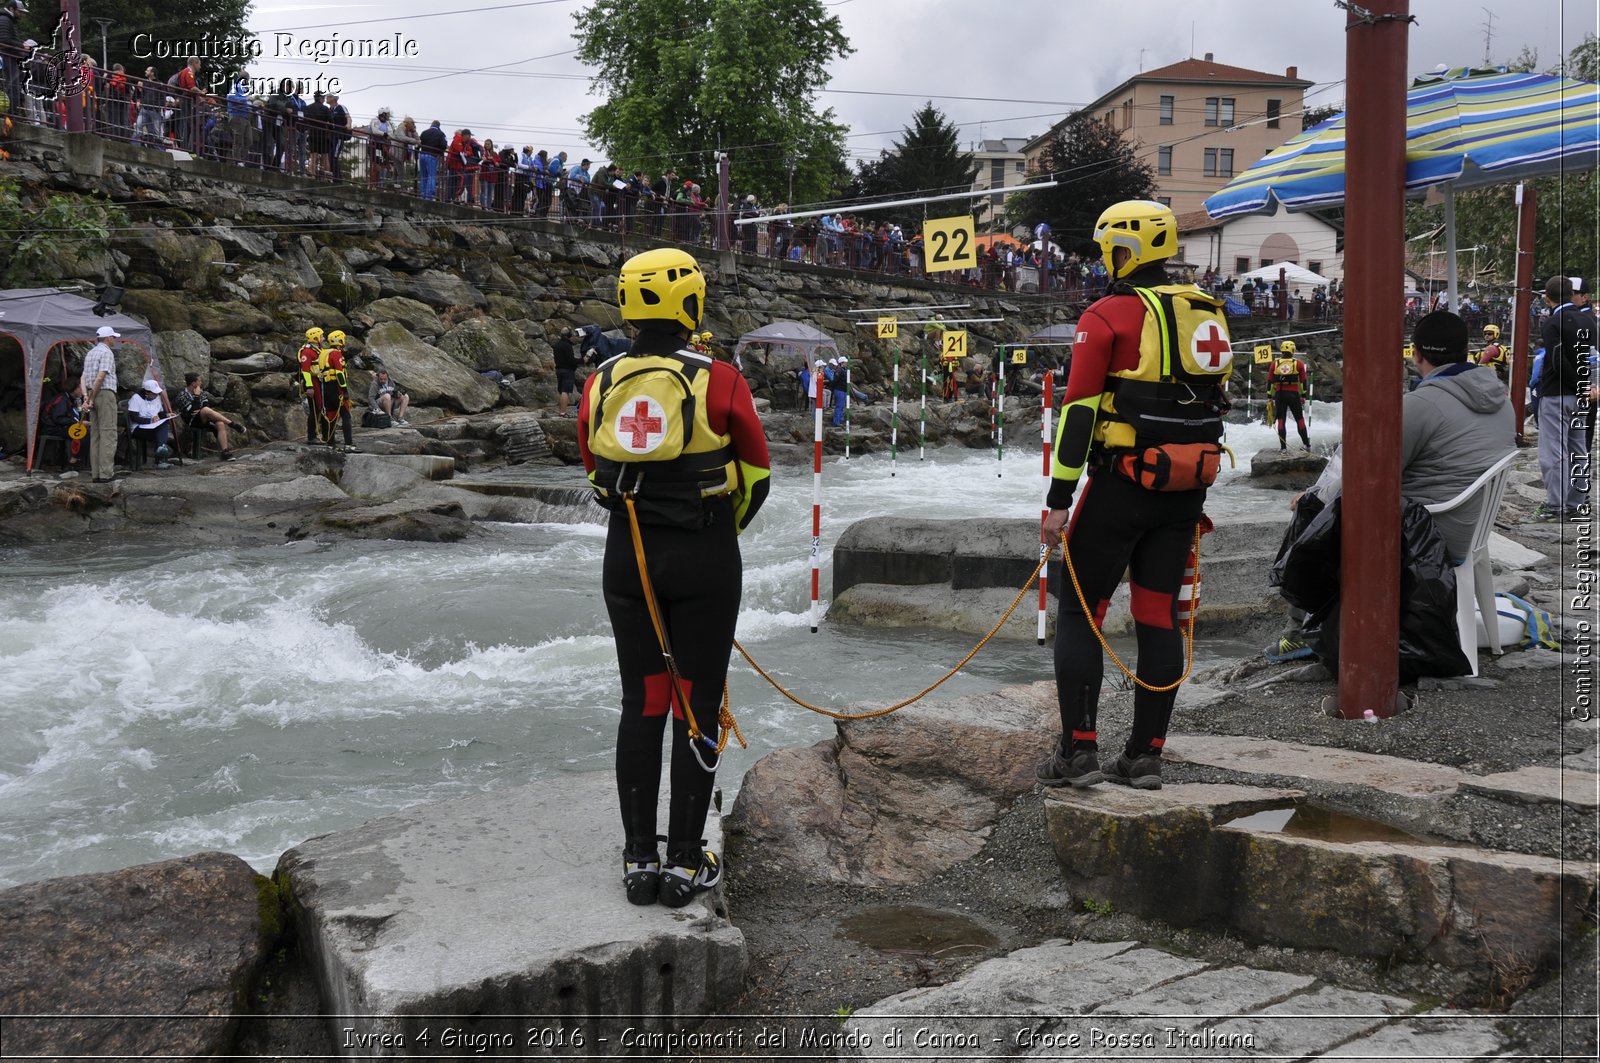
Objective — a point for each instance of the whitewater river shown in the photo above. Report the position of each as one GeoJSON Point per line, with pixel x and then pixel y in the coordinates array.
{"type": "Point", "coordinates": [160, 702]}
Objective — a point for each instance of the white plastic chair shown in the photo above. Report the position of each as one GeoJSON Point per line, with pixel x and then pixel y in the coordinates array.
{"type": "Point", "coordinates": [1474, 577]}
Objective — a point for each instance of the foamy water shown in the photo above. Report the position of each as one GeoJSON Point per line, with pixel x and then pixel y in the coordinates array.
{"type": "Point", "coordinates": [161, 702]}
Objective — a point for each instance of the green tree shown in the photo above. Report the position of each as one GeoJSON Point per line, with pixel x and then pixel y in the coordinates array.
{"type": "Point", "coordinates": [682, 80]}
{"type": "Point", "coordinates": [139, 28]}
{"type": "Point", "coordinates": [1316, 115]}
{"type": "Point", "coordinates": [1096, 167]}
{"type": "Point", "coordinates": [926, 160]}
{"type": "Point", "coordinates": [36, 237]}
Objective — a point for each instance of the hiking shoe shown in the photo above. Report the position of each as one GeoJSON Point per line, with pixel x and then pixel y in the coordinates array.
{"type": "Point", "coordinates": [162, 465]}
{"type": "Point", "coordinates": [1286, 649]}
{"type": "Point", "coordinates": [641, 877]}
{"type": "Point", "coordinates": [1141, 773]}
{"type": "Point", "coordinates": [163, 452]}
{"type": "Point", "coordinates": [1547, 513]}
{"type": "Point", "coordinates": [680, 885]}
{"type": "Point", "coordinates": [1078, 769]}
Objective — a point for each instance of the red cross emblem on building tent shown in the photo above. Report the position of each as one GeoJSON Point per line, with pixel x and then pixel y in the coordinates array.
{"type": "Point", "coordinates": [1210, 347]}
{"type": "Point", "coordinates": [641, 425]}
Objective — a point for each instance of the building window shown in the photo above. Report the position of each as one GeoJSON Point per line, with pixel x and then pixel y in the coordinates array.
{"type": "Point", "coordinates": [1020, 166]}
{"type": "Point", "coordinates": [1211, 162]}
{"type": "Point", "coordinates": [1165, 201]}
{"type": "Point", "coordinates": [1164, 160]}
{"type": "Point", "coordinates": [1127, 113]}
{"type": "Point", "coordinates": [1241, 265]}
{"type": "Point", "coordinates": [997, 173]}
{"type": "Point", "coordinates": [1315, 266]}
{"type": "Point", "coordinates": [1227, 110]}
{"type": "Point", "coordinates": [1211, 110]}
{"type": "Point", "coordinates": [1225, 162]}
{"type": "Point", "coordinates": [1166, 109]}
{"type": "Point", "coordinates": [1274, 112]}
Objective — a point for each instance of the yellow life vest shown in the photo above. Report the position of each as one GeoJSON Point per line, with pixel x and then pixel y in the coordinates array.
{"type": "Point", "coordinates": [325, 370]}
{"type": "Point", "coordinates": [1175, 394]}
{"type": "Point", "coordinates": [1286, 374]}
{"type": "Point", "coordinates": [650, 436]}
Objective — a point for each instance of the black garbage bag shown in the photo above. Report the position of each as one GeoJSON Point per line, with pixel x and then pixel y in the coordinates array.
{"type": "Point", "coordinates": [1429, 643]}
{"type": "Point", "coordinates": [1306, 571]}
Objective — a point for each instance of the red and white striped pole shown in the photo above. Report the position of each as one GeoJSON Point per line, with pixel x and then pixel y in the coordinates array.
{"type": "Point", "coordinates": [1044, 547]}
{"type": "Point", "coordinates": [816, 497]}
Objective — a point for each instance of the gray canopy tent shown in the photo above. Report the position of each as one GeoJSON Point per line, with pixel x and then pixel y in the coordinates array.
{"type": "Point", "coordinates": [42, 320]}
{"type": "Point", "coordinates": [792, 336]}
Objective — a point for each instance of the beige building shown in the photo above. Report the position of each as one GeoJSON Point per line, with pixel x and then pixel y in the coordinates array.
{"type": "Point", "coordinates": [1001, 164]}
{"type": "Point", "coordinates": [1197, 123]}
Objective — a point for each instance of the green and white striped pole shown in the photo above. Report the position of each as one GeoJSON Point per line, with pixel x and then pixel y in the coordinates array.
{"type": "Point", "coordinates": [922, 420]}
{"type": "Point", "coordinates": [1000, 417]}
{"type": "Point", "coordinates": [847, 409]}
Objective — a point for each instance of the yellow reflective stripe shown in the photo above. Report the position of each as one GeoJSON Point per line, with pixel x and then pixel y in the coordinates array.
{"type": "Point", "coordinates": [1152, 305]}
{"type": "Point", "coordinates": [1059, 470]}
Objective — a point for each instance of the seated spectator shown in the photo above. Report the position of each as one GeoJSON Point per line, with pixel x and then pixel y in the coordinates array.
{"type": "Point", "coordinates": [58, 412]}
{"type": "Point", "coordinates": [194, 406]}
{"type": "Point", "coordinates": [149, 415]}
{"type": "Point", "coordinates": [384, 396]}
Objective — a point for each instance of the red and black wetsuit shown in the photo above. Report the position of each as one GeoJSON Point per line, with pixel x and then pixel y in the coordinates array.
{"type": "Point", "coordinates": [308, 381]}
{"type": "Point", "coordinates": [1288, 390]}
{"type": "Point", "coordinates": [697, 576]}
{"type": "Point", "coordinates": [1118, 527]}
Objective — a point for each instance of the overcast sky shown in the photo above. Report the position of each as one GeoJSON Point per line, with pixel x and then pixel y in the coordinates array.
{"type": "Point", "coordinates": [995, 69]}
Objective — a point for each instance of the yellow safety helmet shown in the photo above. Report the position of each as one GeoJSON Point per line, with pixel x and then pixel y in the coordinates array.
{"type": "Point", "coordinates": [1491, 332]}
{"type": "Point", "coordinates": [314, 334]}
{"type": "Point", "coordinates": [1286, 347]}
{"type": "Point", "coordinates": [1146, 228]}
{"type": "Point", "coordinates": [707, 336]}
{"type": "Point", "coordinates": [662, 285]}
{"type": "Point", "coordinates": [336, 337]}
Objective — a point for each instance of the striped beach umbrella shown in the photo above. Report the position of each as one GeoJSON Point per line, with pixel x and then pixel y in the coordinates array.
{"type": "Point", "coordinates": [1464, 129]}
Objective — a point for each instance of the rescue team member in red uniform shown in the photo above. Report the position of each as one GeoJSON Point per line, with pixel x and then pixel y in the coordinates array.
{"type": "Point", "coordinates": [1493, 354]}
{"type": "Point", "coordinates": [335, 386]}
{"type": "Point", "coordinates": [309, 354]}
{"type": "Point", "coordinates": [1142, 414]}
{"type": "Point", "coordinates": [678, 431]}
{"type": "Point", "coordinates": [1286, 379]}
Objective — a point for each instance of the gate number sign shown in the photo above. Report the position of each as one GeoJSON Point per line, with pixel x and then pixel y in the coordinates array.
{"type": "Point", "coordinates": [955, 345]}
{"type": "Point", "coordinates": [950, 243]}
{"type": "Point", "coordinates": [888, 328]}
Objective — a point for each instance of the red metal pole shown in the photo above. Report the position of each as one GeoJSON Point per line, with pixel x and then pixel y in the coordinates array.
{"type": "Point", "coordinates": [72, 78]}
{"type": "Point", "coordinates": [1375, 57]}
{"type": "Point", "coordinates": [1521, 305]}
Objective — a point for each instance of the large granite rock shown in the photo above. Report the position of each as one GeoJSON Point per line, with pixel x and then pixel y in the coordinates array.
{"type": "Point", "coordinates": [510, 904]}
{"type": "Point", "coordinates": [431, 376]}
{"type": "Point", "coordinates": [151, 960]}
{"type": "Point", "coordinates": [418, 318]}
{"type": "Point", "coordinates": [1293, 470]}
{"type": "Point", "coordinates": [485, 343]}
{"type": "Point", "coordinates": [438, 288]}
{"type": "Point", "coordinates": [885, 803]}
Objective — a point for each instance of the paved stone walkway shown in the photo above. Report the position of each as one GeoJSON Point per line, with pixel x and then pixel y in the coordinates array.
{"type": "Point", "coordinates": [1067, 1000]}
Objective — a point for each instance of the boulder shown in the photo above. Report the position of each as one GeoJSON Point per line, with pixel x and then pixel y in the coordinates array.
{"type": "Point", "coordinates": [192, 263]}
{"type": "Point", "coordinates": [253, 364]}
{"type": "Point", "coordinates": [303, 493]}
{"type": "Point", "coordinates": [297, 317]}
{"type": "Point", "coordinates": [178, 352]}
{"type": "Point", "coordinates": [151, 960]}
{"type": "Point", "coordinates": [245, 241]}
{"type": "Point", "coordinates": [373, 478]}
{"type": "Point", "coordinates": [228, 319]}
{"type": "Point", "coordinates": [437, 288]}
{"type": "Point", "coordinates": [884, 803]}
{"type": "Point", "coordinates": [418, 318]}
{"type": "Point", "coordinates": [430, 375]}
{"type": "Point", "coordinates": [1293, 470]}
{"type": "Point", "coordinates": [606, 315]}
{"type": "Point", "coordinates": [489, 343]}
{"type": "Point", "coordinates": [162, 311]}
{"type": "Point", "coordinates": [408, 927]}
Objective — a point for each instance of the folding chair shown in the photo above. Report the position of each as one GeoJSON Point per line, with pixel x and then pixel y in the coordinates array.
{"type": "Point", "coordinates": [1474, 576]}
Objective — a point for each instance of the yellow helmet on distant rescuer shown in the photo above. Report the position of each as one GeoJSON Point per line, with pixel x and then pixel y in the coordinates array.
{"type": "Point", "coordinates": [314, 334]}
{"type": "Point", "coordinates": [1147, 229]}
{"type": "Point", "coordinates": [662, 285]}
{"type": "Point", "coordinates": [336, 337]}
{"type": "Point", "coordinates": [1286, 347]}
{"type": "Point", "coordinates": [1491, 332]}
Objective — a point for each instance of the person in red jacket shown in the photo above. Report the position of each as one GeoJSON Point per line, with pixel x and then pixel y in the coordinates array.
{"type": "Point", "coordinates": [673, 446]}
{"type": "Point", "coordinates": [1286, 379]}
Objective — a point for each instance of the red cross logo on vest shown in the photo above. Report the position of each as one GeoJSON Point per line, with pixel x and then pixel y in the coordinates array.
{"type": "Point", "coordinates": [641, 426]}
{"type": "Point", "coordinates": [1211, 347]}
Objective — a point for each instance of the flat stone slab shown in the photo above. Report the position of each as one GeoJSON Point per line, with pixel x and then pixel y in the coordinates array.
{"type": "Point", "coordinates": [1533, 785]}
{"type": "Point", "coordinates": [1122, 999]}
{"type": "Point", "coordinates": [1513, 555]}
{"type": "Point", "coordinates": [510, 904]}
{"type": "Point", "coordinates": [1265, 757]}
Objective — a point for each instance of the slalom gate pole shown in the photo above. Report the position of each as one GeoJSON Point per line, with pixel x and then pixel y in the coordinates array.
{"type": "Point", "coordinates": [894, 414]}
{"type": "Point", "coordinates": [847, 412]}
{"type": "Point", "coordinates": [999, 414]}
{"type": "Point", "coordinates": [816, 498]}
{"type": "Point", "coordinates": [922, 418]}
{"type": "Point", "coordinates": [991, 407]}
{"type": "Point", "coordinates": [1044, 547]}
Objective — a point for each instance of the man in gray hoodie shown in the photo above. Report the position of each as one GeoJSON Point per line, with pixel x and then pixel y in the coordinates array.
{"type": "Point", "coordinates": [1455, 423]}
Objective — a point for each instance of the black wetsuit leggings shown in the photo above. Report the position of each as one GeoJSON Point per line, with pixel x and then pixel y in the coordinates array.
{"type": "Point", "coordinates": [697, 576]}
{"type": "Point", "coordinates": [1121, 527]}
{"type": "Point", "coordinates": [1288, 405]}
{"type": "Point", "coordinates": [333, 398]}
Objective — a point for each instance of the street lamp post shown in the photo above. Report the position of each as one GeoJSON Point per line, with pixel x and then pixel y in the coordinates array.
{"type": "Point", "coordinates": [103, 24]}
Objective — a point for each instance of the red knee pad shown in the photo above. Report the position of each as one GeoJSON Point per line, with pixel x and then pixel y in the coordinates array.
{"type": "Point", "coordinates": [1151, 607]}
{"type": "Point", "coordinates": [658, 695]}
